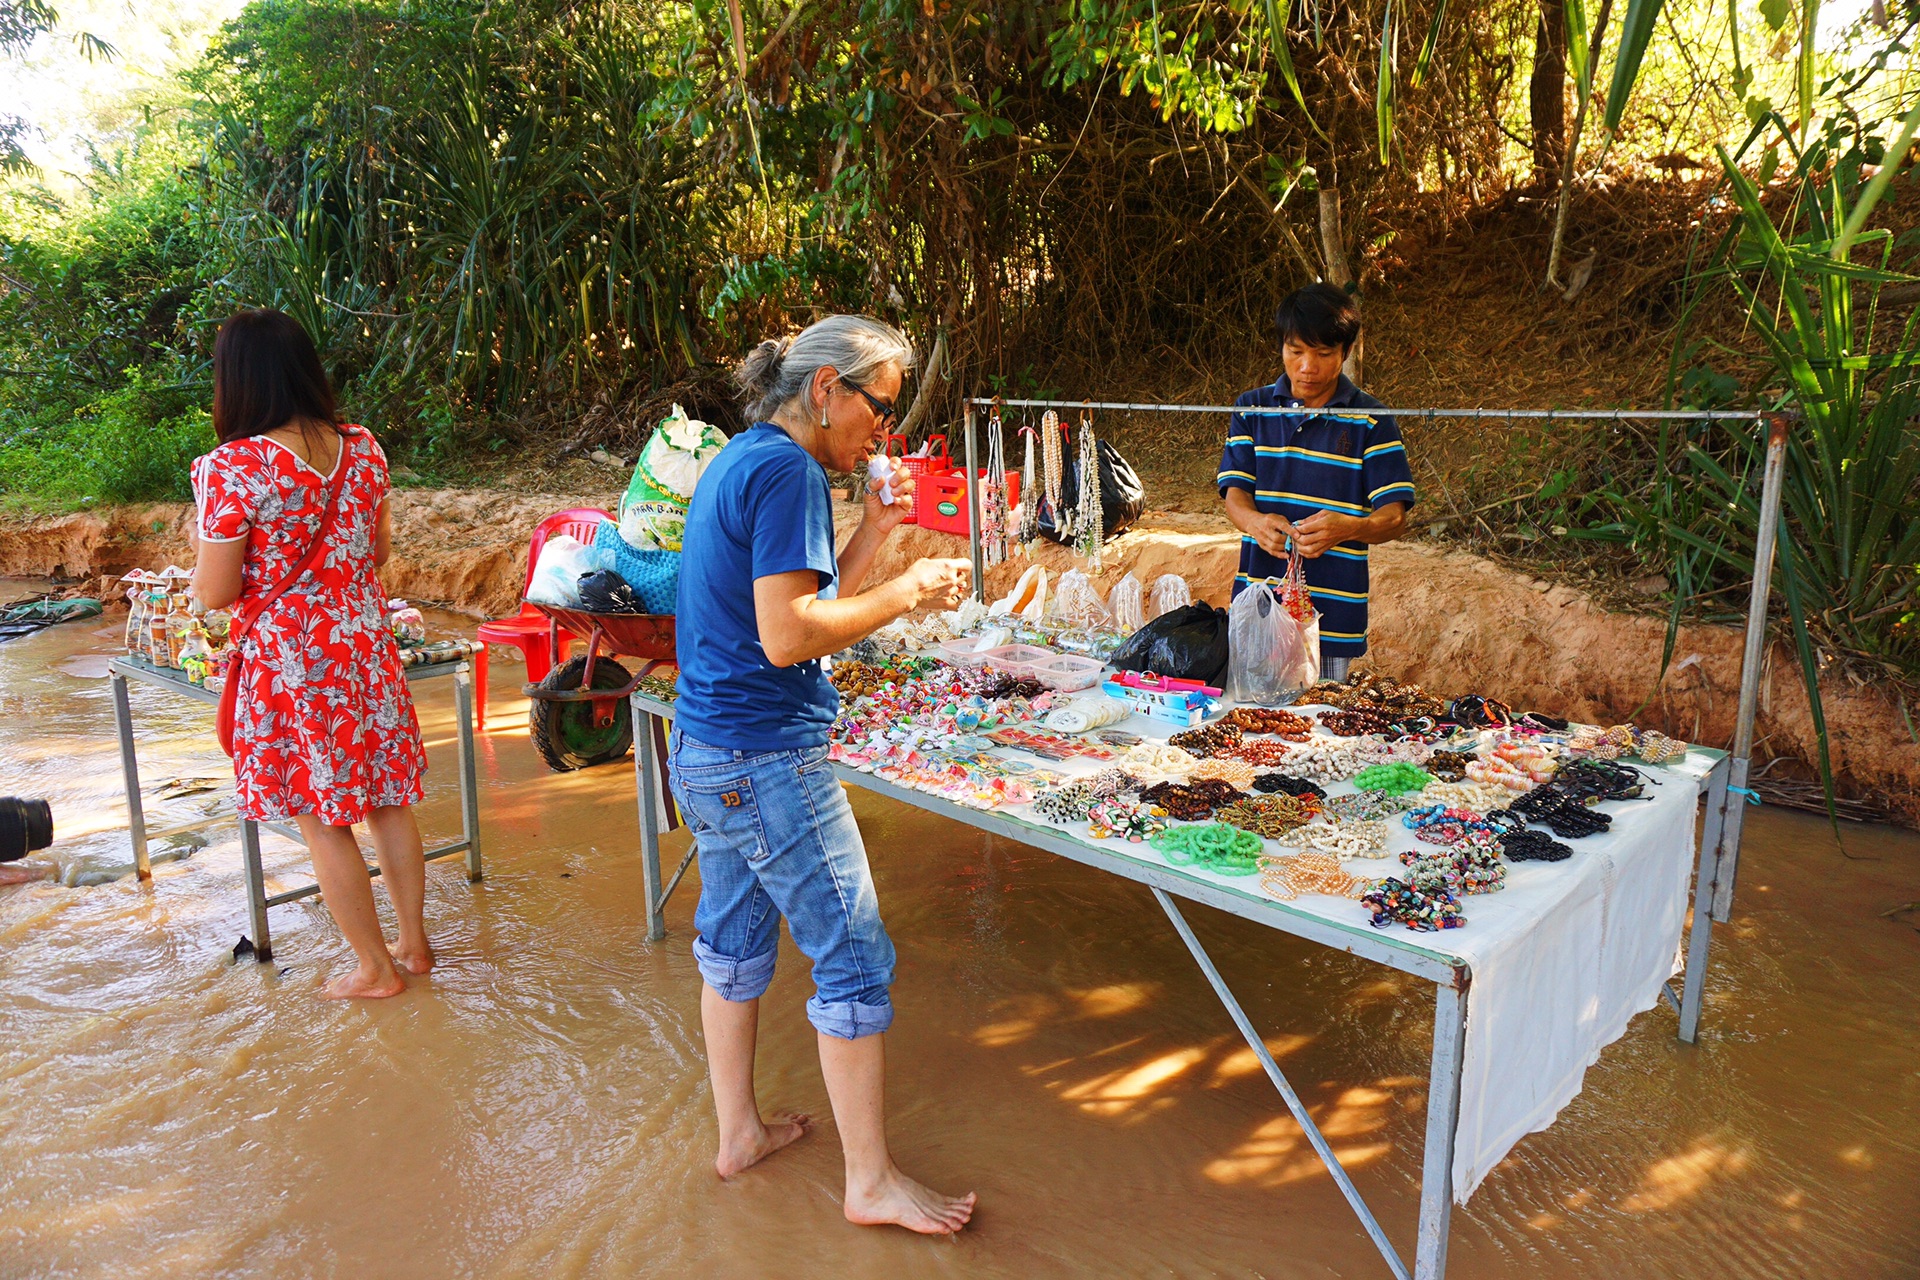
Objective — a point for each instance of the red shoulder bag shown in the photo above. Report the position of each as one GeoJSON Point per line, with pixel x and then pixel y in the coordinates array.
{"type": "Point", "coordinates": [243, 621]}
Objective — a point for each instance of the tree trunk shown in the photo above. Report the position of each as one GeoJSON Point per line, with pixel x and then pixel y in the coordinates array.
{"type": "Point", "coordinates": [1572, 156]}
{"type": "Point", "coordinates": [1547, 90]}
{"type": "Point", "coordinates": [1333, 253]}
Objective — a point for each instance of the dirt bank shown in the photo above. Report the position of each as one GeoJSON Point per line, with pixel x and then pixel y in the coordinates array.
{"type": "Point", "coordinates": [1452, 621]}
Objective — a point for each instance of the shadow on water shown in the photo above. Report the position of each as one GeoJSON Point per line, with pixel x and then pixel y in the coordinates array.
{"type": "Point", "coordinates": [538, 1107]}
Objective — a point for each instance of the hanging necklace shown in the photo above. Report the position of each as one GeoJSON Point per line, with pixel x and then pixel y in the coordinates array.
{"type": "Point", "coordinates": [993, 495]}
{"type": "Point", "coordinates": [1027, 531]}
{"type": "Point", "coordinates": [1088, 519]}
{"type": "Point", "coordinates": [1050, 463]}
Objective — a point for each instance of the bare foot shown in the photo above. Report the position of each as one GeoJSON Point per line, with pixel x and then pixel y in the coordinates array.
{"type": "Point", "coordinates": [414, 962]}
{"type": "Point", "coordinates": [361, 985]}
{"type": "Point", "coordinates": [735, 1156]}
{"type": "Point", "coordinates": [899, 1200]}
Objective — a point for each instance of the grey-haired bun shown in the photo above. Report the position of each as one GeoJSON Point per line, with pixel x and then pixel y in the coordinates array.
{"type": "Point", "coordinates": [777, 375]}
{"type": "Point", "coordinates": [760, 371]}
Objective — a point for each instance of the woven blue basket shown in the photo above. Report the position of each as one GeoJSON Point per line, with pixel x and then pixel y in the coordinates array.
{"type": "Point", "coordinates": [653, 575]}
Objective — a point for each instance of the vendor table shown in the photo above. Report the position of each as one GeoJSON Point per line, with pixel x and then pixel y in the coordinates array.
{"type": "Point", "coordinates": [1615, 910]}
{"type": "Point", "coordinates": [258, 900]}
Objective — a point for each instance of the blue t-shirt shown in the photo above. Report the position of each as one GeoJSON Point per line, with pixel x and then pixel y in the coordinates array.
{"type": "Point", "coordinates": [761, 508]}
{"type": "Point", "coordinates": [1296, 465]}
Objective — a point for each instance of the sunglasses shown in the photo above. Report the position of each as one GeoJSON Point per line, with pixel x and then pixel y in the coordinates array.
{"type": "Point", "coordinates": [881, 409]}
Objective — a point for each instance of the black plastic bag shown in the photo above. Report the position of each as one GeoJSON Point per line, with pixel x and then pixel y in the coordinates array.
{"type": "Point", "coordinates": [1122, 497]}
{"type": "Point", "coordinates": [1188, 643]}
{"type": "Point", "coordinates": [604, 591]}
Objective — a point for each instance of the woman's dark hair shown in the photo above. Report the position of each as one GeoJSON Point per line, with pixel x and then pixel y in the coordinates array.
{"type": "Point", "coordinates": [1320, 315]}
{"type": "Point", "coordinates": [266, 374]}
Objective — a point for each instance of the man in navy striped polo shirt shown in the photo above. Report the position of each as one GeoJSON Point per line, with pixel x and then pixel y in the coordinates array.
{"type": "Point", "coordinates": [1328, 485]}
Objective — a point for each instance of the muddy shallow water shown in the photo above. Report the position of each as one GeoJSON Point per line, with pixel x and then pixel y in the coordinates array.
{"type": "Point", "coordinates": [539, 1105]}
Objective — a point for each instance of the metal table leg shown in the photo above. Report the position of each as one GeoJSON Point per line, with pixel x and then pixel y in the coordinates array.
{"type": "Point", "coordinates": [644, 765]}
{"type": "Point", "coordinates": [130, 775]}
{"type": "Point", "coordinates": [1705, 877]}
{"type": "Point", "coordinates": [1320, 1145]}
{"type": "Point", "coordinates": [469, 781]}
{"type": "Point", "coordinates": [1443, 1119]}
{"type": "Point", "coordinates": [256, 890]}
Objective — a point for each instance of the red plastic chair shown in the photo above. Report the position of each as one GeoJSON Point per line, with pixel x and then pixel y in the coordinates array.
{"type": "Point", "coordinates": [529, 629]}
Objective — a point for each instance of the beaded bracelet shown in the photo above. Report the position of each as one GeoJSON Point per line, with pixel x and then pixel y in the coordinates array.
{"type": "Point", "coordinates": [1534, 846]}
{"type": "Point", "coordinates": [1262, 752]}
{"type": "Point", "coordinates": [1130, 822]}
{"type": "Point", "coordinates": [1270, 816]}
{"type": "Point", "coordinates": [1219, 847]}
{"type": "Point", "coordinates": [1111, 784]}
{"type": "Point", "coordinates": [1326, 758]}
{"type": "Point", "coordinates": [1394, 779]}
{"type": "Point", "coordinates": [1344, 839]}
{"type": "Point", "coordinates": [1368, 806]}
{"type": "Point", "coordinates": [1468, 795]}
{"type": "Point", "coordinates": [1307, 872]}
{"type": "Point", "coordinates": [1449, 766]}
{"type": "Point", "coordinates": [1352, 724]}
{"type": "Point", "coordinates": [1567, 817]}
{"type": "Point", "coordinates": [1190, 802]}
{"type": "Point", "coordinates": [1288, 784]}
{"type": "Point", "coordinates": [1395, 901]}
{"type": "Point", "coordinates": [1207, 739]}
{"type": "Point", "coordinates": [1237, 773]}
{"type": "Point", "coordinates": [1657, 748]}
{"type": "Point", "coordinates": [1070, 803]}
{"type": "Point", "coordinates": [1157, 762]}
{"type": "Point", "coordinates": [1271, 720]}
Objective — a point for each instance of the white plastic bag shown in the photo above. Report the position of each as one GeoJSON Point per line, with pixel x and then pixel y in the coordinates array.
{"type": "Point", "coordinates": [1169, 593]}
{"type": "Point", "coordinates": [1124, 602]}
{"type": "Point", "coordinates": [1271, 657]}
{"type": "Point", "coordinates": [556, 574]}
{"type": "Point", "coordinates": [1076, 603]}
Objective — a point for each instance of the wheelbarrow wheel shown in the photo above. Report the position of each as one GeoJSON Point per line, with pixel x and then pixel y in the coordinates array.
{"type": "Point", "coordinates": [564, 732]}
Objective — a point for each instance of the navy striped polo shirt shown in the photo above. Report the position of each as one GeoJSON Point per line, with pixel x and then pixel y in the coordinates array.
{"type": "Point", "coordinates": [1295, 465]}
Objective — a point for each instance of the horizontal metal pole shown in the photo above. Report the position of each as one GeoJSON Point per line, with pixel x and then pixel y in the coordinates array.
{"type": "Point", "coordinates": [373, 873]}
{"type": "Point", "coordinates": [1551, 415]}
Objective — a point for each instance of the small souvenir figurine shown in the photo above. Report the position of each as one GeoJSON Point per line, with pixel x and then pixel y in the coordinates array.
{"type": "Point", "coordinates": [409, 627]}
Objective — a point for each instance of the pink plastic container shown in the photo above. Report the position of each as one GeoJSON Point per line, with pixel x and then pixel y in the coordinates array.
{"type": "Point", "coordinates": [1069, 672]}
{"type": "Point", "coordinates": [1017, 659]}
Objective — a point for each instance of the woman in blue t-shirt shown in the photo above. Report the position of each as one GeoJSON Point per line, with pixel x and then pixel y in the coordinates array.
{"type": "Point", "coordinates": [763, 598]}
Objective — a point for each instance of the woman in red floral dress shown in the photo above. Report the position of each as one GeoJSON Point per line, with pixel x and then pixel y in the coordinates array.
{"type": "Point", "coordinates": [324, 729]}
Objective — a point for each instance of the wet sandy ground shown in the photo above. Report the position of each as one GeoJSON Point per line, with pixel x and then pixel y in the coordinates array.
{"type": "Point", "coordinates": [538, 1107]}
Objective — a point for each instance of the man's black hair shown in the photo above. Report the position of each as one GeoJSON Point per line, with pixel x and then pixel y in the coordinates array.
{"type": "Point", "coordinates": [1320, 315]}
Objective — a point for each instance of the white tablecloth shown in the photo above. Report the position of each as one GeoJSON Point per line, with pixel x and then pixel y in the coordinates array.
{"type": "Point", "coordinates": [1561, 959]}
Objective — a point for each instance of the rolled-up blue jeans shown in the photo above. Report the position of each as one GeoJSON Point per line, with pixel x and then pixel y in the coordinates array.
{"type": "Point", "coordinates": [776, 837]}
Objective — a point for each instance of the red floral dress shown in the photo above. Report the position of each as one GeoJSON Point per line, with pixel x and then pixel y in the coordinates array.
{"type": "Point", "coordinates": [324, 723]}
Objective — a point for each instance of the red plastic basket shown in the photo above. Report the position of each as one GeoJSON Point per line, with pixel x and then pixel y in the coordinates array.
{"type": "Point", "coordinates": [941, 500]}
{"type": "Point", "coordinates": [921, 467]}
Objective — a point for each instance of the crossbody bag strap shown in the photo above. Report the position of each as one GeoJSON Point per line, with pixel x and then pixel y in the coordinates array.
{"type": "Point", "coordinates": [241, 626]}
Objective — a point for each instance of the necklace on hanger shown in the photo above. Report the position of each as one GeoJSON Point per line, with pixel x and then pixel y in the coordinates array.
{"type": "Point", "coordinates": [1027, 525]}
{"type": "Point", "coordinates": [1050, 465]}
{"type": "Point", "coordinates": [993, 495]}
{"type": "Point", "coordinates": [1088, 519]}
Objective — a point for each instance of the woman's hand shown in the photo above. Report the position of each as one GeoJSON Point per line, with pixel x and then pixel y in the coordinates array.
{"type": "Point", "coordinates": [938, 584]}
{"type": "Point", "coordinates": [884, 518]}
